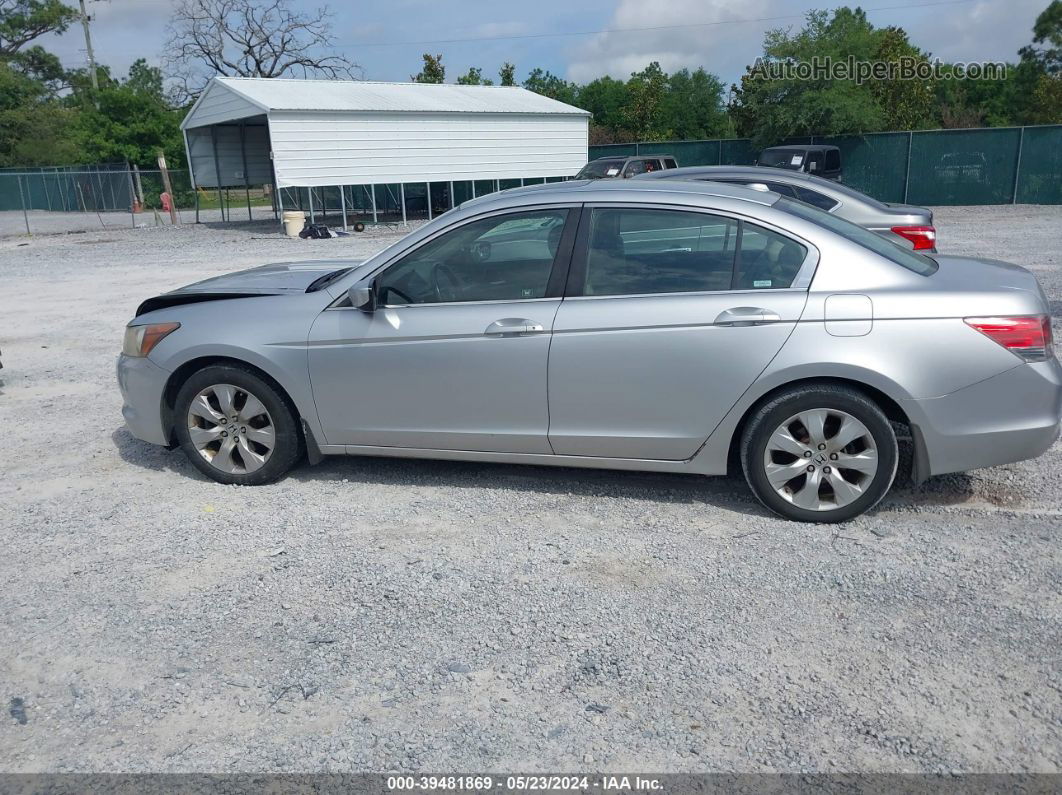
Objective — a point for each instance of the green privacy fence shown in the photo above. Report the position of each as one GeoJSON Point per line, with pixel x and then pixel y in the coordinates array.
{"type": "Point", "coordinates": [999, 165]}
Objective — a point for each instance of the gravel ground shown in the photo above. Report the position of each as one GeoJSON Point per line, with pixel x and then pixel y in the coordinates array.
{"type": "Point", "coordinates": [374, 614]}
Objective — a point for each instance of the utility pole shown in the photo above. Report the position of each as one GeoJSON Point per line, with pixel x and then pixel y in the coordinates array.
{"type": "Point", "coordinates": [91, 57]}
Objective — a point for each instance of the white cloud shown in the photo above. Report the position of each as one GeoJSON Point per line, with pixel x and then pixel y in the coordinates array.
{"type": "Point", "coordinates": [724, 49]}
{"type": "Point", "coordinates": [988, 30]}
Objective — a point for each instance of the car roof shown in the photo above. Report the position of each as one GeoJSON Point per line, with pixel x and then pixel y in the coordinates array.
{"type": "Point", "coordinates": [751, 172]}
{"type": "Point", "coordinates": [630, 157]}
{"type": "Point", "coordinates": [654, 191]}
{"type": "Point", "coordinates": [765, 173]}
{"type": "Point", "coordinates": [802, 147]}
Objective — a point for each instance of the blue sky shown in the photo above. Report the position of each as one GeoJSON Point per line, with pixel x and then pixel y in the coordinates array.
{"type": "Point", "coordinates": [366, 32]}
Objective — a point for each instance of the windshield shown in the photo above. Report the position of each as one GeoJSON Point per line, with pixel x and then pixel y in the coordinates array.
{"type": "Point", "coordinates": [599, 169]}
{"type": "Point", "coordinates": [782, 158]}
{"type": "Point", "coordinates": [922, 265]}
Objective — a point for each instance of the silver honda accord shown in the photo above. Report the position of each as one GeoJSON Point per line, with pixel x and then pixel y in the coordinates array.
{"type": "Point", "coordinates": [664, 326]}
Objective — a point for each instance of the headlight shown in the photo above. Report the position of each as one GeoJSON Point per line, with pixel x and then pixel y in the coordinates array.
{"type": "Point", "coordinates": [139, 340]}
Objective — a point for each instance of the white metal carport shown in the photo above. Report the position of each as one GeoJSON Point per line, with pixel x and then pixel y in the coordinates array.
{"type": "Point", "coordinates": [312, 135]}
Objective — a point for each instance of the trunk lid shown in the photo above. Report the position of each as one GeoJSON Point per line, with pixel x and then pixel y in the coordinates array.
{"type": "Point", "coordinates": [1012, 284]}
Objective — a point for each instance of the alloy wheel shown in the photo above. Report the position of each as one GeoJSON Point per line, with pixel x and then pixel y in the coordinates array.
{"type": "Point", "coordinates": [231, 429]}
{"type": "Point", "coordinates": [821, 459]}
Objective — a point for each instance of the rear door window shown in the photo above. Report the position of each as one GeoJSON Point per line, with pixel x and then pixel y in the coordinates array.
{"type": "Point", "coordinates": [833, 160]}
{"type": "Point", "coordinates": [767, 260]}
{"type": "Point", "coordinates": [635, 252]}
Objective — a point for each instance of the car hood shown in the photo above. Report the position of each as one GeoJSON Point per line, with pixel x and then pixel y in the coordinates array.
{"type": "Point", "coordinates": [277, 279]}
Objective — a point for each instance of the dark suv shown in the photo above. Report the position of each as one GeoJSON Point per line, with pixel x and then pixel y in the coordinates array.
{"type": "Point", "coordinates": [616, 167]}
{"type": "Point", "coordinates": [816, 159]}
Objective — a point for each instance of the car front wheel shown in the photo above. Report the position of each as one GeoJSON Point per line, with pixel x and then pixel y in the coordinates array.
{"type": "Point", "coordinates": [822, 453]}
{"type": "Point", "coordinates": [235, 427]}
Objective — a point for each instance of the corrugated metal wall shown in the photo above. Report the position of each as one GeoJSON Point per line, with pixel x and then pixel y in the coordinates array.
{"type": "Point", "coordinates": [230, 158]}
{"type": "Point", "coordinates": [312, 149]}
{"type": "Point", "coordinates": [220, 104]}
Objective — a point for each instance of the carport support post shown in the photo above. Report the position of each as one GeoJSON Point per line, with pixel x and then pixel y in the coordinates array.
{"type": "Point", "coordinates": [280, 201]}
{"type": "Point", "coordinates": [453, 198]}
{"type": "Point", "coordinates": [217, 169]}
{"type": "Point", "coordinates": [22, 198]}
{"type": "Point", "coordinates": [402, 198]}
{"type": "Point", "coordinates": [246, 184]}
{"type": "Point", "coordinates": [343, 205]}
{"type": "Point", "coordinates": [372, 194]}
{"type": "Point", "coordinates": [427, 185]}
{"type": "Point", "coordinates": [309, 194]}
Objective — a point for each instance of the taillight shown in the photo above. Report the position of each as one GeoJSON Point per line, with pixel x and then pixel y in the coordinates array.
{"type": "Point", "coordinates": [923, 237]}
{"type": "Point", "coordinates": [1029, 337]}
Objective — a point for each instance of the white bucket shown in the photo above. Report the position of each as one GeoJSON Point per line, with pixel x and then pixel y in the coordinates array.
{"type": "Point", "coordinates": [294, 220]}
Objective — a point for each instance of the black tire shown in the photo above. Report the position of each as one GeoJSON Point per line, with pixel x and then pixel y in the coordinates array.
{"type": "Point", "coordinates": [772, 414]}
{"type": "Point", "coordinates": [288, 442]}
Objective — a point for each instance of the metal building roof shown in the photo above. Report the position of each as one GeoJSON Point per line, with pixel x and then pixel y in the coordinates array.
{"type": "Point", "coordinates": [275, 94]}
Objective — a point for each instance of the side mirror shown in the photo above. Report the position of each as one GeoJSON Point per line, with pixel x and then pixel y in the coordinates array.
{"type": "Point", "coordinates": [813, 166]}
{"type": "Point", "coordinates": [363, 296]}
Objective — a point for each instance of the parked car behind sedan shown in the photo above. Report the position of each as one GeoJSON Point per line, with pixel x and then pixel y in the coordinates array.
{"type": "Point", "coordinates": [904, 224]}
{"type": "Point", "coordinates": [627, 324]}
{"type": "Point", "coordinates": [626, 167]}
{"type": "Point", "coordinates": [818, 159]}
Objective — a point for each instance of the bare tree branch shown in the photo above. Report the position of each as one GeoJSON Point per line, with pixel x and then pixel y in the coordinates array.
{"type": "Point", "coordinates": [249, 38]}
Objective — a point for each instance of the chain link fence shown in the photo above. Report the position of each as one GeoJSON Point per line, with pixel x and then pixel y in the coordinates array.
{"type": "Point", "coordinates": [58, 199]}
{"type": "Point", "coordinates": [998, 165]}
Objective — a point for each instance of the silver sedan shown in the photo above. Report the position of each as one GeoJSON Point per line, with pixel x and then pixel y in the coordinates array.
{"type": "Point", "coordinates": [903, 224]}
{"type": "Point", "coordinates": [665, 326]}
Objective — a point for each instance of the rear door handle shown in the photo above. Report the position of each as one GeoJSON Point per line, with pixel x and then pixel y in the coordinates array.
{"type": "Point", "coordinates": [746, 316]}
{"type": "Point", "coordinates": [511, 326]}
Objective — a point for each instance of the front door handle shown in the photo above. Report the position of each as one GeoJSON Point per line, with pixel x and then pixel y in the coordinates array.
{"type": "Point", "coordinates": [746, 316]}
{"type": "Point", "coordinates": [511, 326]}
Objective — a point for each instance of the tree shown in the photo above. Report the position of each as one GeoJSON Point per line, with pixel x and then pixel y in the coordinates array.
{"type": "Point", "coordinates": [33, 126]}
{"type": "Point", "coordinates": [249, 38]}
{"type": "Point", "coordinates": [693, 105]}
{"type": "Point", "coordinates": [132, 122]}
{"type": "Point", "coordinates": [607, 99]}
{"type": "Point", "coordinates": [507, 74]}
{"type": "Point", "coordinates": [22, 21]}
{"type": "Point", "coordinates": [433, 70]}
{"type": "Point", "coordinates": [474, 77]}
{"type": "Point", "coordinates": [770, 107]}
{"type": "Point", "coordinates": [905, 104]}
{"type": "Point", "coordinates": [646, 91]}
{"type": "Point", "coordinates": [1047, 30]}
{"type": "Point", "coordinates": [549, 85]}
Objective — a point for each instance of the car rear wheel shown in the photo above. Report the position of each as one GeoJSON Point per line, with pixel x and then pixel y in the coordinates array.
{"type": "Point", "coordinates": [819, 454]}
{"type": "Point", "coordinates": [235, 427]}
